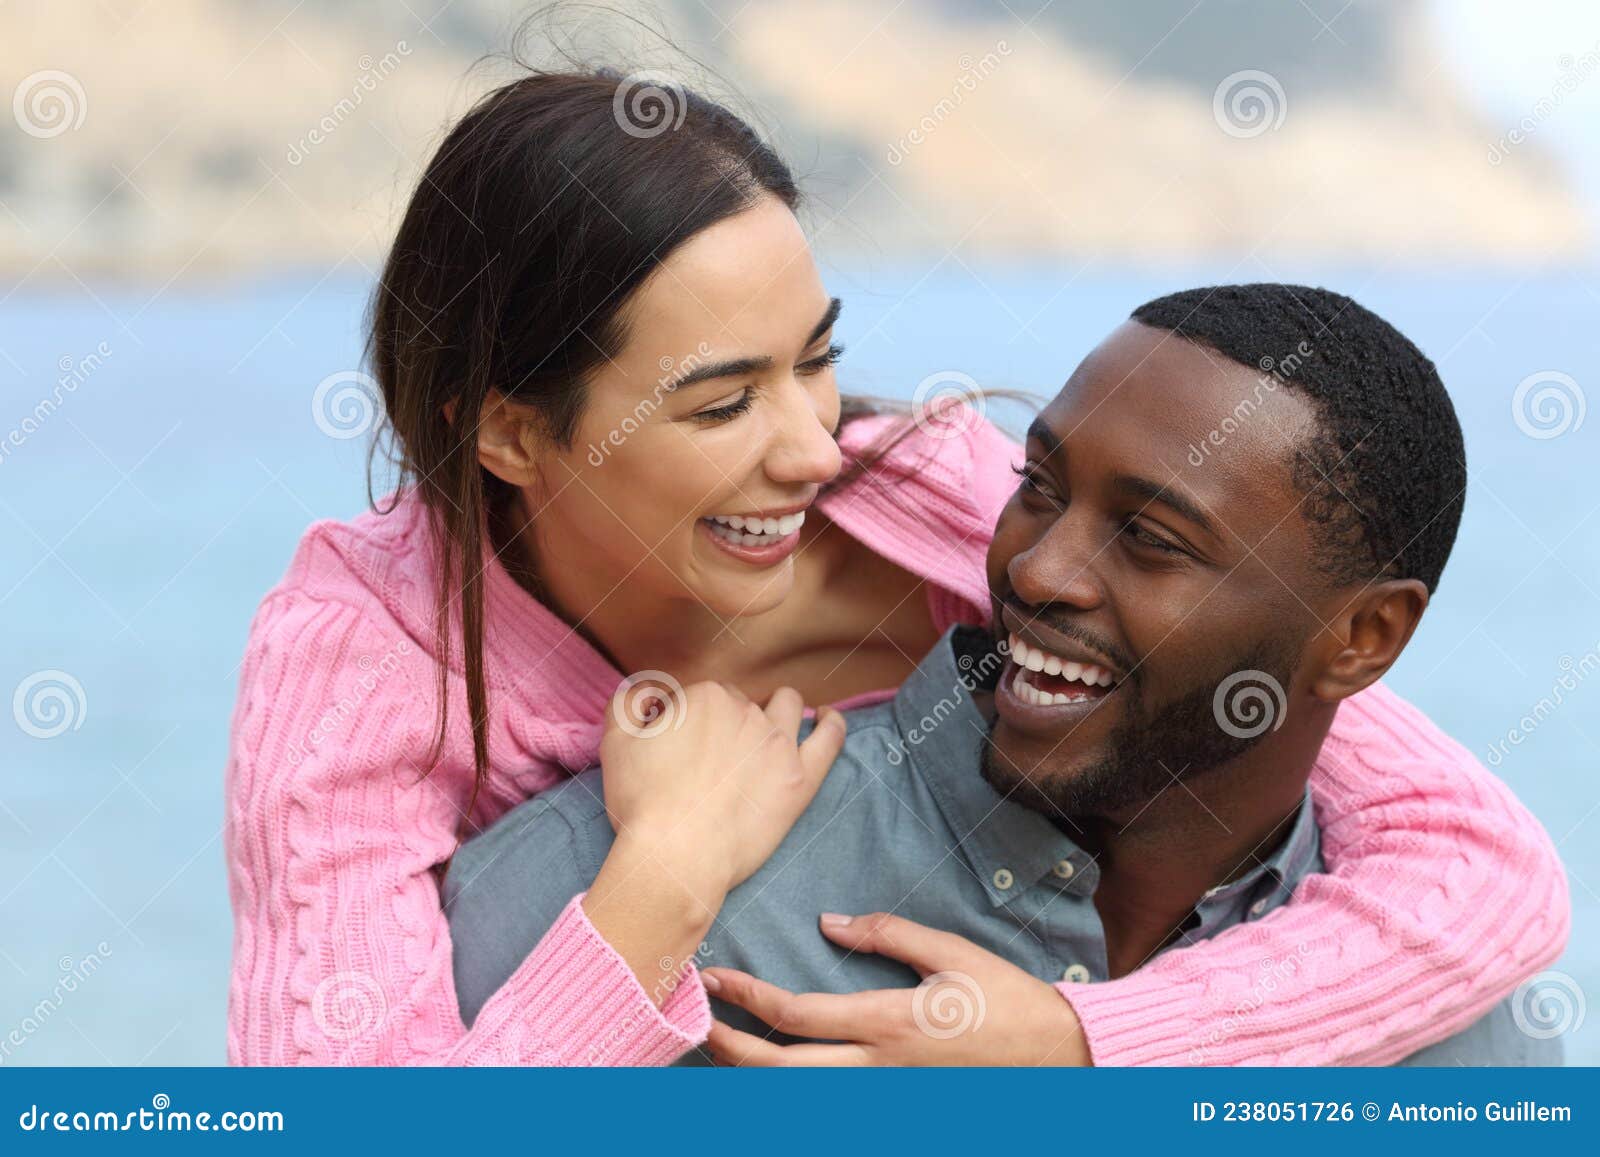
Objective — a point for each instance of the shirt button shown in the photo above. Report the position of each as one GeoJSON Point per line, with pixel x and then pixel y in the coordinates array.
{"type": "Point", "coordinates": [1076, 974]}
{"type": "Point", "coordinates": [1258, 907]}
{"type": "Point", "coordinates": [1003, 879]}
{"type": "Point", "coordinates": [1064, 869]}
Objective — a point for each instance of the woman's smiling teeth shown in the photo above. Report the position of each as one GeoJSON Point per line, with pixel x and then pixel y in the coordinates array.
{"type": "Point", "coordinates": [1043, 679]}
{"type": "Point", "coordinates": [749, 530]}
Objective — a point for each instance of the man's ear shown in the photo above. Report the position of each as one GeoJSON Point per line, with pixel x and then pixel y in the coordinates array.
{"type": "Point", "coordinates": [1369, 634]}
{"type": "Point", "coordinates": [507, 446]}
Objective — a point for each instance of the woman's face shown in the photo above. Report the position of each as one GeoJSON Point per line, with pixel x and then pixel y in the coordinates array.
{"type": "Point", "coordinates": [706, 440]}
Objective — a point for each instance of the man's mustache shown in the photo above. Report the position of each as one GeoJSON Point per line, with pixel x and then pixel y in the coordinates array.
{"type": "Point", "coordinates": [1062, 623]}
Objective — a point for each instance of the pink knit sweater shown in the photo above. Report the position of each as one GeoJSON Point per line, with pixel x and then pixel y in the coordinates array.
{"type": "Point", "coordinates": [1441, 892]}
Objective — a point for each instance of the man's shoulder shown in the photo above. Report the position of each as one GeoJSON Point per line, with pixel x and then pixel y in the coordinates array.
{"type": "Point", "coordinates": [1500, 1038]}
{"type": "Point", "coordinates": [568, 822]}
{"type": "Point", "coordinates": [561, 830]}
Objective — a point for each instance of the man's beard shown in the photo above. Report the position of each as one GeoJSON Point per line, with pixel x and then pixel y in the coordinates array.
{"type": "Point", "coordinates": [1174, 741]}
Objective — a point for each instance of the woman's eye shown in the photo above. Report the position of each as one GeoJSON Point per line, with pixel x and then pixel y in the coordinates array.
{"type": "Point", "coordinates": [816, 365]}
{"type": "Point", "coordinates": [729, 407]}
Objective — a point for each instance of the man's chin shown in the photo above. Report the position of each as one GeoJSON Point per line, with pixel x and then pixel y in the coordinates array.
{"type": "Point", "coordinates": [1028, 772]}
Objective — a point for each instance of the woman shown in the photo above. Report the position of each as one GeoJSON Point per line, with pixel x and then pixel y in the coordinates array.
{"type": "Point", "coordinates": [606, 356]}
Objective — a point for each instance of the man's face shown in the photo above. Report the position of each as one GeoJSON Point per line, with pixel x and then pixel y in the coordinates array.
{"type": "Point", "coordinates": [1157, 535]}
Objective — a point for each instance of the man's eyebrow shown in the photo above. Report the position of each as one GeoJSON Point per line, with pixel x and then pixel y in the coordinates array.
{"type": "Point", "coordinates": [1044, 435]}
{"type": "Point", "coordinates": [735, 367]}
{"type": "Point", "coordinates": [1167, 495]}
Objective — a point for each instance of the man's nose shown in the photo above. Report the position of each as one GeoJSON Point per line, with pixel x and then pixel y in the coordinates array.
{"type": "Point", "coordinates": [1059, 567]}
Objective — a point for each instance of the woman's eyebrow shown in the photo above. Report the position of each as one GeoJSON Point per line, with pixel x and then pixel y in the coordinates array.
{"type": "Point", "coordinates": [734, 367]}
{"type": "Point", "coordinates": [829, 316]}
{"type": "Point", "coordinates": [731, 368]}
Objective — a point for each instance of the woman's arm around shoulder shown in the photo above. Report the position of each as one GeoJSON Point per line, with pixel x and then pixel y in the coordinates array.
{"type": "Point", "coordinates": [335, 831]}
{"type": "Point", "coordinates": [1442, 893]}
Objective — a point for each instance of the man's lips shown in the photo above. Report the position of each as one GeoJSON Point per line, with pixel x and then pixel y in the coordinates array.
{"type": "Point", "coordinates": [1020, 703]}
{"type": "Point", "coordinates": [1065, 650]}
{"type": "Point", "coordinates": [1044, 692]}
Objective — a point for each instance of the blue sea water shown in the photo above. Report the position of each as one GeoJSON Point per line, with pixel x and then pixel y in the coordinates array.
{"type": "Point", "coordinates": [144, 517]}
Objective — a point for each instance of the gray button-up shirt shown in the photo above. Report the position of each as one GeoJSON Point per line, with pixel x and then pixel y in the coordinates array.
{"type": "Point", "coordinates": [903, 823]}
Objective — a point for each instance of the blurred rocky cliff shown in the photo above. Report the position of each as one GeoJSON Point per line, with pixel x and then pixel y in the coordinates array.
{"type": "Point", "coordinates": [189, 137]}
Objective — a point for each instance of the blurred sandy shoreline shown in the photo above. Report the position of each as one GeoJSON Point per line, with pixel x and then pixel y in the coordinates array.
{"type": "Point", "coordinates": [195, 140]}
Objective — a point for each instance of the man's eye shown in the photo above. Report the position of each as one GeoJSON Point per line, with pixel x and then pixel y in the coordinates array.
{"type": "Point", "coordinates": [1031, 482]}
{"type": "Point", "coordinates": [1145, 538]}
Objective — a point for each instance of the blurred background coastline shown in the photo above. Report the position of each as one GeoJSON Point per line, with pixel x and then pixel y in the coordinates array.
{"type": "Point", "coordinates": [195, 196]}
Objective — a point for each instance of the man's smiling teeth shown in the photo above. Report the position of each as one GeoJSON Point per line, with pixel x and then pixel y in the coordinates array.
{"type": "Point", "coordinates": [751, 531]}
{"type": "Point", "coordinates": [1032, 659]}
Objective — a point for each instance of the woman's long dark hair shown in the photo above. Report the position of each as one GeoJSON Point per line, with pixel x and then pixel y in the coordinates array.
{"type": "Point", "coordinates": [542, 211]}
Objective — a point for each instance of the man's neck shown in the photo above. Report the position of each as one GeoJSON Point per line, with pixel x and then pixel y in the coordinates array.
{"type": "Point", "coordinates": [1156, 864]}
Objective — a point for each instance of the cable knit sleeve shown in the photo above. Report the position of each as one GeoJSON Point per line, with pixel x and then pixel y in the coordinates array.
{"type": "Point", "coordinates": [1441, 894]}
{"type": "Point", "coordinates": [334, 836]}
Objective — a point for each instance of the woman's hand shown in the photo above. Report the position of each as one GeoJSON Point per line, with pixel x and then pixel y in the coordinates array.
{"type": "Point", "coordinates": [972, 1008]}
{"type": "Point", "coordinates": [700, 794]}
{"type": "Point", "coordinates": [716, 782]}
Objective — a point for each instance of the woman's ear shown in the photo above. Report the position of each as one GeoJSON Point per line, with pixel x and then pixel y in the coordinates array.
{"type": "Point", "coordinates": [1375, 627]}
{"type": "Point", "coordinates": [507, 447]}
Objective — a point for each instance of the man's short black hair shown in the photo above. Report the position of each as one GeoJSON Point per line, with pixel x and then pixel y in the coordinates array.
{"type": "Point", "coordinates": [1386, 473]}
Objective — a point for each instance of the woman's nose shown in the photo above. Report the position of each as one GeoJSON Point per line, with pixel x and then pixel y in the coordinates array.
{"type": "Point", "coordinates": [802, 449]}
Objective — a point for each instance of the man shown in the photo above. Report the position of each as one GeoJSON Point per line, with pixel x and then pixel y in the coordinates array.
{"type": "Point", "coordinates": [1229, 520]}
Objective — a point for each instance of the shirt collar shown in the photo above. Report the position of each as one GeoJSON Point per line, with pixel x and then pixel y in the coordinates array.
{"type": "Point", "coordinates": [1271, 881]}
{"type": "Point", "coordinates": [1009, 847]}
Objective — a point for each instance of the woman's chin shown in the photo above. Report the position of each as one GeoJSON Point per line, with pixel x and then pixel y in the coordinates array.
{"type": "Point", "coordinates": [740, 597]}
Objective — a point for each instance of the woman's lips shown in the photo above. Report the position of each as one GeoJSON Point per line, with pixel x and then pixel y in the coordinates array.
{"type": "Point", "coordinates": [757, 549]}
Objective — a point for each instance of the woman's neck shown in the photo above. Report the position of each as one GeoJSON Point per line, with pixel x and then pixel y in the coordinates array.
{"type": "Point", "coordinates": [681, 635]}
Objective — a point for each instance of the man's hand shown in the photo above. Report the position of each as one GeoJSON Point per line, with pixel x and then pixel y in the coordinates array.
{"type": "Point", "coordinates": [972, 1008]}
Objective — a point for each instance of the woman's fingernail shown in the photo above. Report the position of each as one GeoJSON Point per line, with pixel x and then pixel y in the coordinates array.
{"type": "Point", "coordinates": [834, 920]}
{"type": "Point", "coordinates": [713, 985]}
